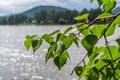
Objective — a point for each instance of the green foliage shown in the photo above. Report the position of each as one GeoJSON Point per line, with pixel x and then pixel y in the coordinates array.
{"type": "Point", "coordinates": [103, 60]}
{"type": "Point", "coordinates": [84, 16]}
{"type": "Point", "coordinates": [104, 15]}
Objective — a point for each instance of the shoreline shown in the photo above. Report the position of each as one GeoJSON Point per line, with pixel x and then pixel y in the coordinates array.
{"type": "Point", "coordinates": [28, 25]}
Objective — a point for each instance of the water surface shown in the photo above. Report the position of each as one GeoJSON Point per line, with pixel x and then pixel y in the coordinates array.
{"type": "Point", "coordinates": [16, 63]}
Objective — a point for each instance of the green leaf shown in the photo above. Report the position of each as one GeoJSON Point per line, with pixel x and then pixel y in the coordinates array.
{"type": "Point", "coordinates": [111, 29]}
{"type": "Point", "coordinates": [27, 43]}
{"type": "Point", "coordinates": [67, 30]}
{"type": "Point", "coordinates": [118, 41]}
{"type": "Point", "coordinates": [81, 27]}
{"type": "Point", "coordinates": [60, 36]}
{"type": "Point", "coordinates": [109, 5]}
{"type": "Point", "coordinates": [76, 41]}
{"type": "Point", "coordinates": [98, 30]}
{"type": "Point", "coordinates": [103, 15]}
{"type": "Point", "coordinates": [114, 52]}
{"type": "Point", "coordinates": [92, 74]}
{"type": "Point", "coordinates": [36, 44]}
{"type": "Point", "coordinates": [45, 36]}
{"type": "Point", "coordinates": [56, 31]}
{"type": "Point", "coordinates": [85, 32]}
{"type": "Point", "coordinates": [82, 17]}
{"type": "Point", "coordinates": [106, 60]}
{"type": "Point", "coordinates": [91, 1]}
{"type": "Point", "coordinates": [117, 20]}
{"type": "Point", "coordinates": [92, 58]}
{"type": "Point", "coordinates": [49, 54]}
{"type": "Point", "coordinates": [67, 42]}
{"type": "Point", "coordinates": [85, 71]}
{"type": "Point", "coordinates": [49, 40]}
{"type": "Point", "coordinates": [79, 70]}
{"type": "Point", "coordinates": [31, 37]}
{"type": "Point", "coordinates": [100, 2]}
{"type": "Point", "coordinates": [61, 59]}
{"type": "Point", "coordinates": [89, 41]}
{"type": "Point", "coordinates": [99, 64]}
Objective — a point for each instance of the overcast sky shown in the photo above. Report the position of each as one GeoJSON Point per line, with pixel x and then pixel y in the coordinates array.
{"type": "Point", "coordinates": [16, 6]}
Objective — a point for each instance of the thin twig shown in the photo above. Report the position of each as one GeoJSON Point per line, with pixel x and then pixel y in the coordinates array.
{"type": "Point", "coordinates": [106, 43]}
{"type": "Point", "coordinates": [78, 64]}
{"type": "Point", "coordinates": [84, 62]}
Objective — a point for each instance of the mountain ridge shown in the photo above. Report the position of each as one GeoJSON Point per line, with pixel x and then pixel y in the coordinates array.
{"type": "Point", "coordinates": [32, 11]}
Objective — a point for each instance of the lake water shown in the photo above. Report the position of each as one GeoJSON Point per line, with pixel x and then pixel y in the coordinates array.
{"type": "Point", "coordinates": [18, 64]}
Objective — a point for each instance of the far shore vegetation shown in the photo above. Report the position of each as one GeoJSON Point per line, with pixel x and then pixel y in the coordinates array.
{"type": "Point", "coordinates": [45, 17]}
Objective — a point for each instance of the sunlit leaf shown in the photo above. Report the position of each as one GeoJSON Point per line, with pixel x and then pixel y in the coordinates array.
{"type": "Point", "coordinates": [113, 52]}
{"type": "Point", "coordinates": [56, 31]}
{"type": "Point", "coordinates": [67, 30]}
{"type": "Point", "coordinates": [31, 37]}
{"type": "Point", "coordinates": [27, 43]}
{"type": "Point", "coordinates": [99, 64]}
{"type": "Point", "coordinates": [81, 17]}
{"type": "Point", "coordinates": [44, 36]}
{"type": "Point", "coordinates": [49, 40]}
{"type": "Point", "coordinates": [110, 30]}
{"type": "Point", "coordinates": [117, 20]}
{"type": "Point", "coordinates": [98, 30]}
{"type": "Point", "coordinates": [81, 27]}
{"type": "Point", "coordinates": [67, 42]}
{"type": "Point", "coordinates": [103, 15]}
{"type": "Point", "coordinates": [109, 5]}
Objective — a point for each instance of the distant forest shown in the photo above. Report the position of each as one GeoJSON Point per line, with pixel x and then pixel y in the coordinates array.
{"type": "Point", "coordinates": [49, 17]}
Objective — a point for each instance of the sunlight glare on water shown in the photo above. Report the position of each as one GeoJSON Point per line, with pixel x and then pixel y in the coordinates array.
{"type": "Point", "coordinates": [19, 64]}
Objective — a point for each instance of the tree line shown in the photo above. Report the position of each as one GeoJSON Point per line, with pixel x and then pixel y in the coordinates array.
{"type": "Point", "coordinates": [49, 17]}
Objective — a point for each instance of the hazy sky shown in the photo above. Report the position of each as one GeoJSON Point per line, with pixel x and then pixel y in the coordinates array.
{"type": "Point", "coordinates": [16, 6]}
